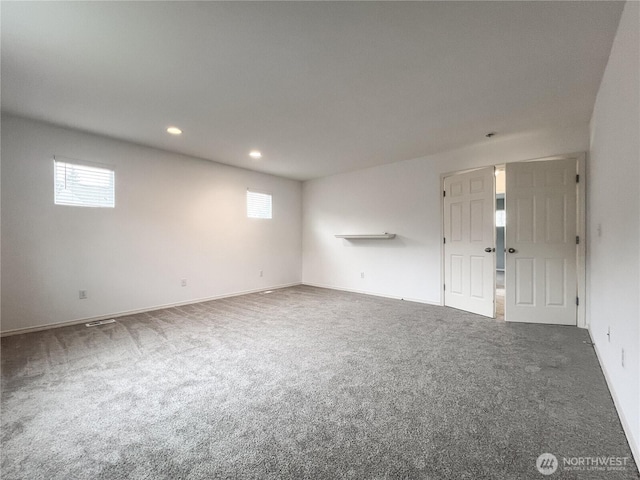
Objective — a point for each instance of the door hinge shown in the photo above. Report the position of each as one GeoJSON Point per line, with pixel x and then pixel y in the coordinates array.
{"type": "Point", "coordinates": [444, 240]}
{"type": "Point", "coordinates": [444, 193]}
{"type": "Point", "coordinates": [577, 300]}
{"type": "Point", "coordinates": [577, 239]}
{"type": "Point", "coordinates": [577, 178]}
{"type": "Point", "coordinates": [444, 287]}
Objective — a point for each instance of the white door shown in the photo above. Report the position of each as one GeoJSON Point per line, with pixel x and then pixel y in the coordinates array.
{"type": "Point", "coordinates": [470, 241]}
{"type": "Point", "coordinates": [540, 242]}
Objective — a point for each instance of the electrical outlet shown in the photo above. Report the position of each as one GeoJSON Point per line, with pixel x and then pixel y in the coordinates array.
{"type": "Point", "coordinates": [361, 274]}
{"type": "Point", "coordinates": [622, 357]}
{"type": "Point", "coordinates": [183, 282]}
{"type": "Point", "coordinates": [82, 294]}
{"type": "Point", "coordinates": [261, 273]}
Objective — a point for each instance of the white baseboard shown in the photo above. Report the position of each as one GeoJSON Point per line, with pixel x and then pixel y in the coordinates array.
{"type": "Point", "coordinates": [626, 426]}
{"type": "Point", "coordinates": [77, 321]}
{"type": "Point", "coordinates": [375, 294]}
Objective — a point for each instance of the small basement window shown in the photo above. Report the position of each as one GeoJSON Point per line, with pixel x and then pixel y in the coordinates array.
{"type": "Point", "coordinates": [258, 205]}
{"type": "Point", "coordinates": [83, 185]}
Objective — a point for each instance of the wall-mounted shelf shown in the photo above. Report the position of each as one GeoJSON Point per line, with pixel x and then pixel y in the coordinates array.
{"type": "Point", "coordinates": [372, 236]}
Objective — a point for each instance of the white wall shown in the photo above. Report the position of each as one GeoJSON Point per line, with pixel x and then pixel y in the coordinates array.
{"type": "Point", "coordinates": [401, 198]}
{"type": "Point", "coordinates": [175, 217]}
{"type": "Point", "coordinates": [613, 264]}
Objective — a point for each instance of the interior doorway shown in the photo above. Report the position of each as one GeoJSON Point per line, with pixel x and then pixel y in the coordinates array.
{"type": "Point", "coordinates": [500, 239]}
{"type": "Point", "coordinates": [521, 260]}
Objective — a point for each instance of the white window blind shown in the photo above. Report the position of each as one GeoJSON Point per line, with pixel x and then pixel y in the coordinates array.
{"type": "Point", "coordinates": [500, 218]}
{"type": "Point", "coordinates": [83, 185]}
{"type": "Point", "coordinates": [258, 205]}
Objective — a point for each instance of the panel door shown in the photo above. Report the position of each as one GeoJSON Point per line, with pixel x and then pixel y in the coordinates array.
{"type": "Point", "coordinates": [540, 266]}
{"type": "Point", "coordinates": [469, 224]}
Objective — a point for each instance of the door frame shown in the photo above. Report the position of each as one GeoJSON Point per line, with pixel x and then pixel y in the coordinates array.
{"type": "Point", "coordinates": [581, 227]}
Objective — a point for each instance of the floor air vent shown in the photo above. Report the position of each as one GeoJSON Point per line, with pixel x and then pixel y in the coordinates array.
{"type": "Point", "coordinates": [100, 322]}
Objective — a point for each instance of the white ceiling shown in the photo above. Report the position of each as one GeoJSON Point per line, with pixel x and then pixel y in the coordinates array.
{"type": "Point", "coordinates": [318, 87]}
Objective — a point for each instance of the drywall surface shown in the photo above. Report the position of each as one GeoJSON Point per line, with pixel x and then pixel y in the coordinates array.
{"type": "Point", "coordinates": [175, 218]}
{"type": "Point", "coordinates": [613, 210]}
{"type": "Point", "coordinates": [402, 198]}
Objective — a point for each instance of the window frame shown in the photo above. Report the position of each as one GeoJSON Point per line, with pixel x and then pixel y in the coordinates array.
{"type": "Point", "coordinates": [57, 201]}
{"type": "Point", "coordinates": [262, 193]}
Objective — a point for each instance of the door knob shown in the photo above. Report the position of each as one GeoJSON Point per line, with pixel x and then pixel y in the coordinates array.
{"type": "Point", "coordinates": [489, 249]}
{"type": "Point", "coordinates": [512, 250]}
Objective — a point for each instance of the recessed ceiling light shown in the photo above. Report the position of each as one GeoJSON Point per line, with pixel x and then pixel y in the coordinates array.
{"type": "Point", "coordinates": [174, 130]}
{"type": "Point", "coordinates": [255, 154]}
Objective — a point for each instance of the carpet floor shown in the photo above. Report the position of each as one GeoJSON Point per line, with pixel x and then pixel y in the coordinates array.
{"type": "Point", "coordinates": [304, 383]}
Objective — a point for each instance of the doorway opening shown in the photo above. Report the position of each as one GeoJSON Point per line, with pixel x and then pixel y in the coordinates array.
{"type": "Point", "coordinates": [531, 272]}
{"type": "Point", "coordinates": [500, 255]}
